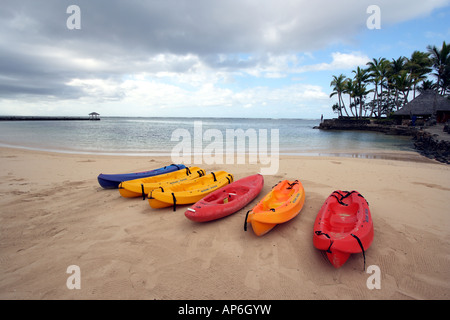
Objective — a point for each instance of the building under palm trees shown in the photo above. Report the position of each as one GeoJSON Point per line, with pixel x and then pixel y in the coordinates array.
{"type": "Point", "coordinates": [426, 105]}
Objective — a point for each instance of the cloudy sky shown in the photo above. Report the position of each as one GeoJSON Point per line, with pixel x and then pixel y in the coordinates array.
{"type": "Point", "coordinates": [216, 58]}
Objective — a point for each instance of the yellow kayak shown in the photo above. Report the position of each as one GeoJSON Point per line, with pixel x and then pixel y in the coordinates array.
{"type": "Point", "coordinates": [190, 191]}
{"type": "Point", "coordinates": [142, 187]}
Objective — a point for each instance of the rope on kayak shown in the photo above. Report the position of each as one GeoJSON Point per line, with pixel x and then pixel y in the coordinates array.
{"type": "Point", "coordinates": [276, 184]}
{"type": "Point", "coordinates": [348, 194]}
{"type": "Point", "coordinates": [339, 193]}
{"type": "Point", "coordinates": [362, 248]}
{"type": "Point", "coordinates": [201, 173]}
{"type": "Point", "coordinates": [174, 202]}
{"type": "Point", "coordinates": [291, 185]}
{"type": "Point", "coordinates": [339, 200]}
{"type": "Point", "coordinates": [360, 195]}
{"type": "Point", "coordinates": [143, 192]}
{"type": "Point", "coordinates": [320, 233]}
{"type": "Point", "coordinates": [245, 222]}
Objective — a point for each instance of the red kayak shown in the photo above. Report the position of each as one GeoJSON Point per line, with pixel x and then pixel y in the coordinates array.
{"type": "Point", "coordinates": [343, 226]}
{"type": "Point", "coordinates": [226, 200]}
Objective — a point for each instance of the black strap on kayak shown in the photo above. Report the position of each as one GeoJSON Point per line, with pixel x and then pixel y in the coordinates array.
{"type": "Point", "coordinates": [162, 189]}
{"type": "Point", "coordinates": [339, 200]}
{"type": "Point", "coordinates": [214, 175]}
{"type": "Point", "coordinates": [174, 202]}
{"type": "Point", "coordinates": [229, 181]}
{"type": "Point", "coordinates": [276, 184]}
{"type": "Point", "coordinates": [143, 193]}
{"type": "Point", "coordinates": [362, 248]}
{"type": "Point", "coordinates": [201, 173]}
{"type": "Point", "coordinates": [272, 209]}
{"type": "Point", "coordinates": [175, 166]}
{"type": "Point", "coordinates": [188, 171]}
{"type": "Point", "coordinates": [245, 222]}
{"type": "Point", "coordinates": [320, 233]}
{"type": "Point", "coordinates": [360, 195]}
{"type": "Point", "coordinates": [339, 193]}
{"type": "Point", "coordinates": [150, 195]}
{"type": "Point", "coordinates": [348, 194]}
{"type": "Point", "coordinates": [291, 185]}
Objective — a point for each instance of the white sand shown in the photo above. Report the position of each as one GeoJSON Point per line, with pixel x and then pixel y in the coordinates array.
{"type": "Point", "coordinates": [54, 214]}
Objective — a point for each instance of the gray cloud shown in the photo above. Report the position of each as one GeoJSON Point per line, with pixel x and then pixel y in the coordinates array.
{"type": "Point", "coordinates": [39, 55]}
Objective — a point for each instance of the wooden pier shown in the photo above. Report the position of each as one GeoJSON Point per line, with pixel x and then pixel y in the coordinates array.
{"type": "Point", "coordinates": [46, 118]}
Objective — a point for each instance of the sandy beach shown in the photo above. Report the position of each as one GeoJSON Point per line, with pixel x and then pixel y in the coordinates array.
{"type": "Point", "coordinates": [54, 214]}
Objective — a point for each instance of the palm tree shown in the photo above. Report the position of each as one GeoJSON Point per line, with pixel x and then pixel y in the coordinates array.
{"type": "Point", "coordinates": [392, 81]}
{"type": "Point", "coordinates": [396, 67]}
{"type": "Point", "coordinates": [402, 83]}
{"type": "Point", "coordinates": [349, 89]}
{"type": "Point", "coordinates": [427, 85]}
{"type": "Point", "coordinates": [338, 84]}
{"type": "Point", "coordinates": [378, 71]}
{"type": "Point", "coordinates": [360, 90]}
{"type": "Point", "coordinates": [441, 61]}
{"type": "Point", "coordinates": [419, 66]}
{"type": "Point", "coordinates": [445, 81]}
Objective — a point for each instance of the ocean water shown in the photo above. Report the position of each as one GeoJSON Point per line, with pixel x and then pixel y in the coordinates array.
{"type": "Point", "coordinates": [159, 136]}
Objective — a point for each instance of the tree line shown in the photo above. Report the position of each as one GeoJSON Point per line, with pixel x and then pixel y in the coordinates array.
{"type": "Point", "coordinates": [384, 86]}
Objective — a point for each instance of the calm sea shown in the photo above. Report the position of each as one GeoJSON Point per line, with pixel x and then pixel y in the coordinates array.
{"type": "Point", "coordinates": [153, 136]}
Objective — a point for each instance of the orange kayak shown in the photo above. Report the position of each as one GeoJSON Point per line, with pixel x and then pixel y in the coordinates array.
{"type": "Point", "coordinates": [281, 204]}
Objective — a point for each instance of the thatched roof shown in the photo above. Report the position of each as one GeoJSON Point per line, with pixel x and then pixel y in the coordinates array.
{"type": "Point", "coordinates": [94, 114]}
{"type": "Point", "coordinates": [427, 103]}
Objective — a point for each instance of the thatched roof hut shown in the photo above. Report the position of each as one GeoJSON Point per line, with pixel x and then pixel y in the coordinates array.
{"type": "Point", "coordinates": [427, 104]}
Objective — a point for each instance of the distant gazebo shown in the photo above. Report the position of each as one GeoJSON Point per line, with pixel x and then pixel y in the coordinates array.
{"type": "Point", "coordinates": [426, 105]}
{"type": "Point", "coordinates": [94, 116]}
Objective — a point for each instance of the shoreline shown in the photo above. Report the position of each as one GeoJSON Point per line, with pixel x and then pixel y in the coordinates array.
{"type": "Point", "coordinates": [54, 215]}
{"type": "Point", "coordinates": [413, 155]}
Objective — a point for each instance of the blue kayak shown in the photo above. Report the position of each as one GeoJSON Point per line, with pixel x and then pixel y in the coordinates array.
{"type": "Point", "coordinates": [112, 181]}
